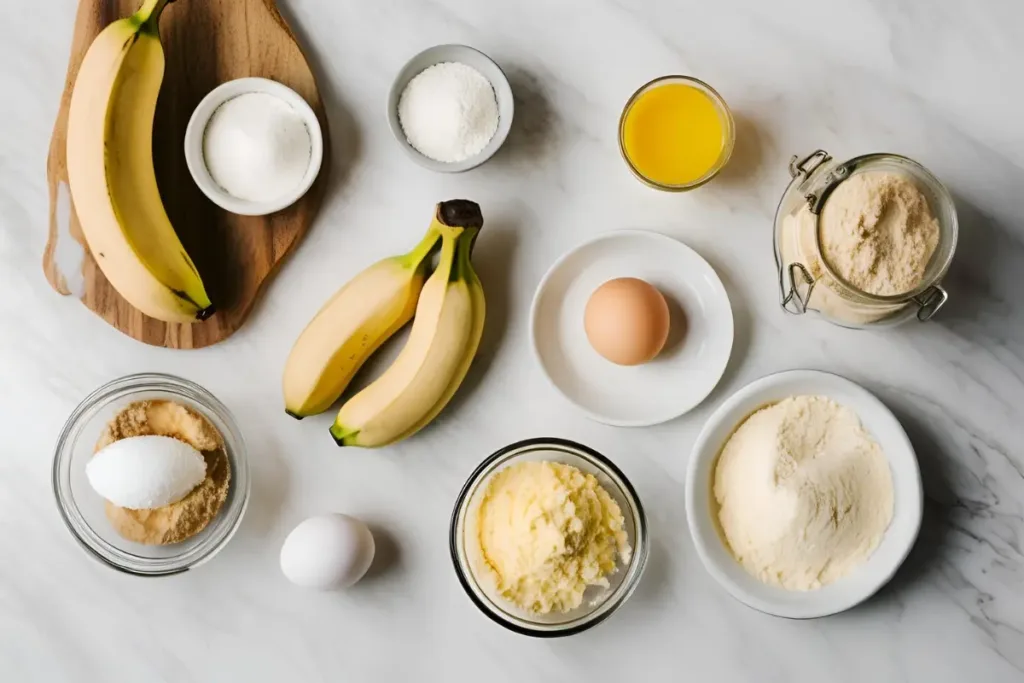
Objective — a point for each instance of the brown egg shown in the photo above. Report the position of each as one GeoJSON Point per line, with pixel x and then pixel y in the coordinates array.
{"type": "Point", "coordinates": [627, 321]}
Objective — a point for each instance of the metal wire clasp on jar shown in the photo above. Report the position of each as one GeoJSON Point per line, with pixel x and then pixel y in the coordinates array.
{"type": "Point", "coordinates": [808, 281]}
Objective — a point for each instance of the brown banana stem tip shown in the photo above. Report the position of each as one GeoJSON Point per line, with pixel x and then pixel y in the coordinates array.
{"type": "Point", "coordinates": [460, 213]}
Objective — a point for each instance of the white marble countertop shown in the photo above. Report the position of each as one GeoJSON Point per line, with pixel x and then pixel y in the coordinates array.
{"type": "Point", "coordinates": [938, 81]}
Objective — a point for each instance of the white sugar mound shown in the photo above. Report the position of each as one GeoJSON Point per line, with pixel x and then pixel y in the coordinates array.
{"type": "Point", "coordinates": [145, 472]}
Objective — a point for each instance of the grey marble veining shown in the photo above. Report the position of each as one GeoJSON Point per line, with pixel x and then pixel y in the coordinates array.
{"type": "Point", "coordinates": [938, 81]}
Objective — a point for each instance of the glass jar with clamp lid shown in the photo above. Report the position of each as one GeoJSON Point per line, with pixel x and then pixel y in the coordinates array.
{"type": "Point", "coordinates": [809, 282]}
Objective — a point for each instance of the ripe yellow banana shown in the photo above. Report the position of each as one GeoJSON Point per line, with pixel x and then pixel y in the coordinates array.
{"type": "Point", "coordinates": [444, 338]}
{"type": "Point", "coordinates": [352, 325]}
{"type": "Point", "coordinates": [111, 176]}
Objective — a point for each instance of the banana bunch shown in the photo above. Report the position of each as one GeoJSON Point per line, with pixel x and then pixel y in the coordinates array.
{"type": "Point", "coordinates": [449, 320]}
{"type": "Point", "coordinates": [111, 175]}
{"type": "Point", "coordinates": [353, 323]}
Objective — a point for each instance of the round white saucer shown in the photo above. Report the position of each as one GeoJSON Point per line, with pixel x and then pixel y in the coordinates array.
{"type": "Point", "coordinates": [693, 359]}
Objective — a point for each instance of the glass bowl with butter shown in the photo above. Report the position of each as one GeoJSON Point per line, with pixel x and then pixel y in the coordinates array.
{"type": "Point", "coordinates": [548, 537]}
{"type": "Point", "coordinates": [158, 541]}
{"type": "Point", "coordinates": [863, 243]}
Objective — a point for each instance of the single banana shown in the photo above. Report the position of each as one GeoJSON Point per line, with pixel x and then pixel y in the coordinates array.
{"type": "Point", "coordinates": [374, 305]}
{"type": "Point", "coordinates": [445, 335]}
{"type": "Point", "coordinates": [111, 176]}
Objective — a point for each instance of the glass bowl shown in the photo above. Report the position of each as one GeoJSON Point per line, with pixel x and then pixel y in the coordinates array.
{"type": "Point", "coordinates": [728, 131]}
{"type": "Point", "coordinates": [83, 509]}
{"type": "Point", "coordinates": [598, 603]}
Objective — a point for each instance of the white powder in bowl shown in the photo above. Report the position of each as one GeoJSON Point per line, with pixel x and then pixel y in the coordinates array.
{"type": "Point", "coordinates": [448, 112]}
{"type": "Point", "coordinates": [804, 493]}
{"type": "Point", "coordinates": [257, 147]}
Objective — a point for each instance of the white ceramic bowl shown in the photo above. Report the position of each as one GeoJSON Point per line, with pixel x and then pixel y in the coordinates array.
{"type": "Point", "coordinates": [197, 128]}
{"type": "Point", "coordinates": [470, 57]}
{"type": "Point", "coordinates": [864, 580]}
{"type": "Point", "coordinates": [680, 377]}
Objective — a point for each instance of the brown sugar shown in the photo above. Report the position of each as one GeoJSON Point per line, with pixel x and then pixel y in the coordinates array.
{"type": "Point", "coordinates": [187, 517]}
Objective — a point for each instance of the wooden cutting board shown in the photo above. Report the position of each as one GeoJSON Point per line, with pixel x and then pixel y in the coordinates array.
{"type": "Point", "coordinates": [206, 42]}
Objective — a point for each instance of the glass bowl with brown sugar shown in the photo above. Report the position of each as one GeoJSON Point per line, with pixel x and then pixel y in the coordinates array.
{"type": "Point", "coordinates": [169, 539]}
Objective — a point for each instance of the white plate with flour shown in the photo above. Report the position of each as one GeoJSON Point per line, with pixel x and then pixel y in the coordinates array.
{"type": "Point", "coordinates": [864, 580]}
{"type": "Point", "coordinates": [686, 370]}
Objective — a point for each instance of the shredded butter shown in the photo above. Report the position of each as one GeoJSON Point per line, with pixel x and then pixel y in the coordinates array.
{"type": "Point", "coordinates": [547, 531]}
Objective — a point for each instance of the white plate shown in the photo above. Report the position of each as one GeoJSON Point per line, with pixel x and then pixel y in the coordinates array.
{"type": "Point", "coordinates": [694, 357]}
{"type": "Point", "coordinates": [864, 580]}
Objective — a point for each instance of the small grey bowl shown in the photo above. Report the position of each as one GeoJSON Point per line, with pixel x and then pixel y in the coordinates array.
{"type": "Point", "coordinates": [470, 57]}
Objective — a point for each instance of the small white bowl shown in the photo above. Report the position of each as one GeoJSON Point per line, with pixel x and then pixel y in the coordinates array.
{"type": "Point", "coordinates": [197, 128]}
{"type": "Point", "coordinates": [680, 377]}
{"type": "Point", "coordinates": [470, 57]}
{"type": "Point", "coordinates": [864, 580]}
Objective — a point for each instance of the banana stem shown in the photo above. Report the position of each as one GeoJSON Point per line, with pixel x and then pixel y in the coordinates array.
{"type": "Point", "coordinates": [449, 251]}
{"type": "Point", "coordinates": [462, 267]}
{"type": "Point", "coordinates": [422, 250]}
{"type": "Point", "coordinates": [148, 16]}
{"type": "Point", "coordinates": [460, 213]}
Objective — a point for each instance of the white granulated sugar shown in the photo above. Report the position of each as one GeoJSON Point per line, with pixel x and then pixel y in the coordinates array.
{"type": "Point", "coordinates": [145, 472]}
{"type": "Point", "coordinates": [257, 147]}
{"type": "Point", "coordinates": [448, 112]}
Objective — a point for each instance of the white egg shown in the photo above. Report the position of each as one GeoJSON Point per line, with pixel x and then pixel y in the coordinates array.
{"type": "Point", "coordinates": [327, 552]}
{"type": "Point", "coordinates": [143, 472]}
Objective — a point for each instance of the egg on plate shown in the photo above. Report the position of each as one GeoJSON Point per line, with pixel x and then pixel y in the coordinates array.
{"type": "Point", "coordinates": [627, 321]}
